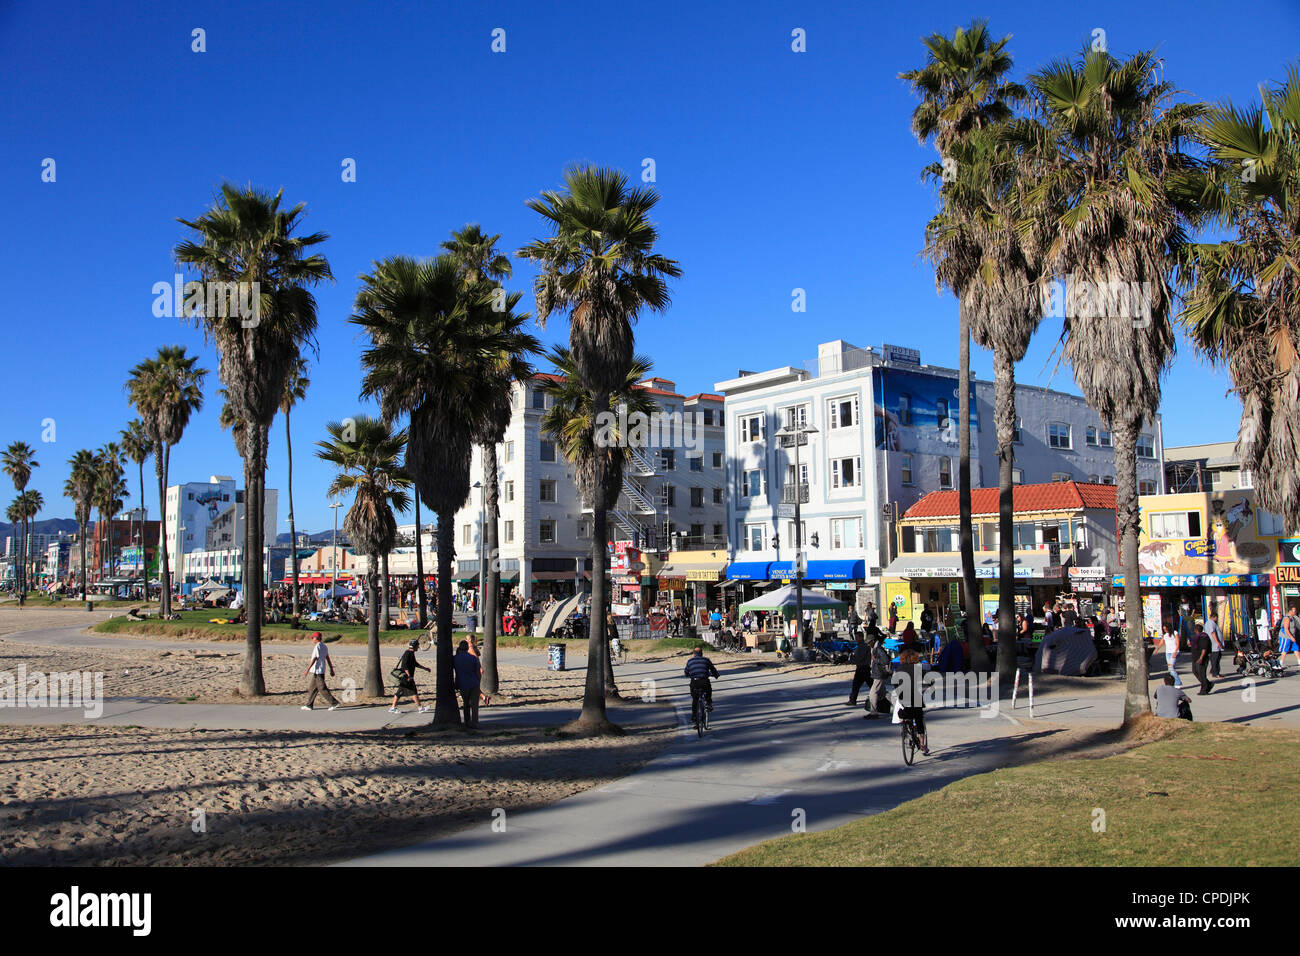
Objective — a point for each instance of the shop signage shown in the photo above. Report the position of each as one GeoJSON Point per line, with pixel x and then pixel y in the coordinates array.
{"type": "Point", "coordinates": [841, 586]}
{"type": "Point", "coordinates": [672, 584]}
{"type": "Point", "coordinates": [1088, 574]}
{"type": "Point", "coordinates": [1288, 551]}
{"type": "Point", "coordinates": [901, 355]}
{"type": "Point", "coordinates": [1196, 580]}
{"type": "Point", "coordinates": [1198, 547]}
{"type": "Point", "coordinates": [1288, 573]}
{"type": "Point", "coordinates": [702, 575]}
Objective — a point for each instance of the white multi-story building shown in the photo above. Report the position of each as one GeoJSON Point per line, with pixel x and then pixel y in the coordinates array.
{"type": "Point", "coordinates": [673, 496]}
{"type": "Point", "coordinates": [885, 435]}
{"type": "Point", "coordinates": [195, 507]}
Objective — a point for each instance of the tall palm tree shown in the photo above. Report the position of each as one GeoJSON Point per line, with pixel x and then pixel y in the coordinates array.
{"type": "Point", "coordinates": [435, 355]}
{"type": "Point", "coordinates": [571, 421]}
{"type": "Point", "coordinates": [964, 89]}
{"type": "Point", "coordinates": [599, 265]}
{"type": "Point", "coordinates": [138, 447]}
{"type": "Point", "coordinates": [478, 261]}
{"type": "Point", "coordinates": [30, 503]}
{"type": "Point", "coordinates": [420, 590]}
{"type": "Point", "coordinates": [80, 488]}
{"type": "Point", "coordinates": [1242, 292]}
{"type": "Point", "coordinates": [1113, 192]}
{"type": "Point", "coordinates": [15, 514]}
{"type": "Point", "coordinates": [165, 391]}
{"type": "Point", "coordinates": [110, 488]}
{"type": "Point", "coordinates": [367, 453]}
{"type": "Point", "coordinates": [245, 236]}
{"type": "Point", "coordinates": [295, 390]}
{"type": "Point", "coordinates": [17, 462]}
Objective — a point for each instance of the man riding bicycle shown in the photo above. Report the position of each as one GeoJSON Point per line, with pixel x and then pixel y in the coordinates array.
{"type": "Point", "coordinates": [908, 685]}
{"type": "Point", "coordinates": [699, 669]}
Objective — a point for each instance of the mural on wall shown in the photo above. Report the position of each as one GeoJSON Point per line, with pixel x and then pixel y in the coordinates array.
{"type": "Point", "coordinates": [915, 407]}
{"type": "Point", "coordinates": [1230, 543]}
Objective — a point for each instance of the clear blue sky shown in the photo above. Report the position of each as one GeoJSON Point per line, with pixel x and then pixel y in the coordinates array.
{"type": "Point", "coordinates": [777, 170]}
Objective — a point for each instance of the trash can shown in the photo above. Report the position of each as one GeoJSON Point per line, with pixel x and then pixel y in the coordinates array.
{"type": "Point", "coordinates": [471, 623]}
{"type": "Point", "coordinates": [90, 605]}
{"type": "Point", "coordinates": [555, 653]}
{"type": "Point", "coordinates": [690, 632]}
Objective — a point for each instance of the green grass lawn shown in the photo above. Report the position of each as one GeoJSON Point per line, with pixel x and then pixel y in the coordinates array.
{"type": "Point", "coordinates": [1208, 795]}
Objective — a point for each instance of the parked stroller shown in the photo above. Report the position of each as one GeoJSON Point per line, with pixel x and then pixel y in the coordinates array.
{"type": "Point", "coordinates": [1252, 659]}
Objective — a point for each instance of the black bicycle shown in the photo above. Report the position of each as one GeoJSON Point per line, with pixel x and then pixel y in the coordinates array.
{"type": "Point", "coordinates": [700, 713]}
{"type": "Point", "coordinates": [911, 740]}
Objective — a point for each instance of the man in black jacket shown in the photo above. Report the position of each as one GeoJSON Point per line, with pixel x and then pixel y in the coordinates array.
{"type": "Point", "coordinates": [882, 669]}
{"type": "Point", "coordinates": [861, 658]}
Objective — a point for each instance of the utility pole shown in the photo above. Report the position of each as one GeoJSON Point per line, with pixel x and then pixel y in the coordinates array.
{"type": "Point", "coordinates": [797, 434]}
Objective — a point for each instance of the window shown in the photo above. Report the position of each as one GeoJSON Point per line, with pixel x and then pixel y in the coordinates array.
{"type": "Point", "coordinates": [751, 483]}
{"type": "Point", "coordinates": [668, 495]}
{"type": "Point", "coordinates": [1061, 476]}
{"type": "Point", "coordinates": [508, 492]}
{"type": "Point", "coordinates": [940, 539]}
{"type": "Point", "coordinates": [753, 427]}
{"type": "Point", "coordinates": [846, 532]}
{"type": "Point", "coordinates": [1146, 447]}
{"type": "Point", "coordinates": [717, 496]}
{"type": "Point", "coordinates": [510, 451]}
{"type": "Point", "coordinates": [941, 412]}
{"type": "Point", "coordinates": [465, 534]}
{"type": "Point", "coordinates": [667, 459]}
{"type": "Point", "coordinates": [1015, 431]}
{"type": "Point", "coordinates": [1146, 487]}
{"type": "Point", "coordinates": [843, 412]}
{"type": "Point", "coordinates": [696, 463]}
{"type": "Point", "coordinates": [1024, 536]}
{"type": "Point", "coordinates": [1094, 479]}
{"type": "Point", "coordinates": [539, 400]}
{"type": "Point", "coordinates": [717, 531]}
{"type": "Point", "coordinates": [586, 527]}
{"type": "Point", "coordinates": [717, 459]}
{"type": "Point", "coordinates": [1175, 524]}
{"type": "Point", "coordinates": [1097, 437]}
{"type": "Point", "coordinates": [846, 472]}
{"type": "Point", "coordinates": [708, 417]}
{"type": "Point", "coordinates": [803, 533]}
{"type": "Point", "coordinates": [509, 531]}
{"type": "Point", "coordinates": [546, 532]}
{"type": "Point", "coordinates": [906, 467]}
{"type": "Point", "coordinates": [1017, 476]}
{"type": "Point", "coordinates": [790, 478]}
{"type": "Point", "coordinates": [1058, 435]}
{"type": "Point", "coordinates": [1108, 479]}
{"type": "Point", "coordinates": [697, 498]}
{"type": "Point", "coordinates": [909, 539]}
{"type": "Point", "coordinates": [546, 450]}
{"type": "Point", "coordinates": [547, 490]}
{"type": "Point", "coordinates": [1270, 525]}
{"type": "Point", "coordinates": [795, 416]}
{"type": "Point", "coordinates": [904, 409]}
{"type": "Point", "coordinates": [945, 472]}
{"type": "Point", "coordinates": [754, 535]}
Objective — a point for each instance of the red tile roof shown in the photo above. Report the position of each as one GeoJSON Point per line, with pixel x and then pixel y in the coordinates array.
{"type": "Point", "coordinates": [1051, 496]}
{"type": "Point", "coordinates": [705, 397]}
{"type": "Point", "coordinates": [551, 377]}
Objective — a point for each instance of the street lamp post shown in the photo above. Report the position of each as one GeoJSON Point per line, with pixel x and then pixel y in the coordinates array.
{"type": "Point", "coordinates": [482, 575]}
{"type": "Point", "coordinates": [797, 434]}
{"type": "Point", "coordinates": [334, 553]}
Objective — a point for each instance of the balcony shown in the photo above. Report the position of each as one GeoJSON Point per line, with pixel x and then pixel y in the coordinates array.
{"type": "Point", "coordinates": [788, 494]}
{"type": "Point", "coordinates": [707, 542]}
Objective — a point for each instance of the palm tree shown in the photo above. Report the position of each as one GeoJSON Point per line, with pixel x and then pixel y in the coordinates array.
{"type": "Point", "coordinates": [246, 237]}
{"type": "Point", "coordinates": [964, 90]}
{"type": "Point", "coordinates": [165, 391]}
{"type": "Point", "coordinates": [419, 563]}
{"type": "Point", "coordinates": [367, 453]}
{"type": "Point", "coordinates": [1240, 308]}
{"type": "Point", "coordinates": [295, 390]}
{"type": "Point", "coordinates": [15, 514]}
{"type": "Point", "coordinates": [571, 421]}
{"type": "Point", "coordinates": [1112, 193]}
{"type": "Point", "coordinates": [478, 262]}
{"type": "Point", "coordinates": [17, 462]}
{"type": "Point", "coordinates": [30, 503]}
{"type": "Point", "coordinates": [600, 267]}
{"type": "Point", "coordinates": [138, 447]}
{"type": "Point", "coordinates": [80, 488]}
{"type": "Point", "coordinates": [110, 488]}
{"type": "Point", "coordinates": [436, 355]}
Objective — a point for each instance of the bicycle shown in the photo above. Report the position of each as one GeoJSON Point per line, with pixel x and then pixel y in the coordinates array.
{"type": "Point", "coordinates": [911, 740]}
{"type": "Point", "coordinates": [427, 639]}
{"type": "Point", "coordinates": [699, 713]}
{"type": "Point", "coordinates": [618, 651]}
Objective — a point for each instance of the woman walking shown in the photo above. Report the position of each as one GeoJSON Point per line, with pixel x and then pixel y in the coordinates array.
{"type": "Point", "coordinates": [405, 674]}
{"type": "Point", "coordinates": [1169, 637]}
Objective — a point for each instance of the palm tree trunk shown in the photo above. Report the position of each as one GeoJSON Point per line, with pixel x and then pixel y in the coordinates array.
{"type": "Point", "coordinates": [293, 535]}
{"type": "Point", "coordinates": [492, 588]}
{"type": "Point", "coordinates": [161, 456]}
{"type": "Point", "coordinates": [970, 588]}
{"type": "Point", "coordinates": [419, 564]}
{"type": "Point", "coordinates": [251, 682]}
{"type": "Point", "coordinates": [1136, 701]}
{"type": "Point", "coordinates": [445, 711]}
{"type": "Point", "coordinates": [385, 608]}
{"type": "Point", "coordinates": [1004, 416]}
{"type": "Point", "coordinates": [374, 678]}
{"type": "Point", "coordinates": [81, 536]}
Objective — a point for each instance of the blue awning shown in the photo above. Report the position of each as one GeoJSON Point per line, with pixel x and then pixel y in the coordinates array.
{"type": "Point", "coordinates": [748, 571]}
{"type": "Point", "coordinates": [781, 571]}
{"type": "Point", "coordinates": [836, 570]}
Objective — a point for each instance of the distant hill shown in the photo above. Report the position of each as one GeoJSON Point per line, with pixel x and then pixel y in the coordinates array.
{"type": "Point", "coordinates": [45, 526]}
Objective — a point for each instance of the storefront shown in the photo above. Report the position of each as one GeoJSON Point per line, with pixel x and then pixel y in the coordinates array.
{"type": "Point", "coordinates": [913, 582]}
{"type": "Point", "coordinates": [1238, 599]}
{"type": "Point", "coordinates": [1285, 593]}
{"type": "Point", "coordinates": [693, 580]}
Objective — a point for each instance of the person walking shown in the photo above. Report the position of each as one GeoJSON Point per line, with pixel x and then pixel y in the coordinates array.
{"type": "Point", "coordinates": [469, 675]}
{"type": "Point", "coordinates": [320, 659]}
{"type": "Point", "coordinates": [853, 621]}
{"type": "Point", "coordinates": [1216, 642]}
{"type": "Point", "coordinates": [1169, 638]}
{"type": "Point", "coordinates": [862, 668]}
{"type": "Point", "coordinates": [893, 617]}
{"type": "Point", "coordinates": [405, 674]}
{"type": "Point", "coordinates": [1289, 636]}
{"type": "Point", "coordinates": [873, 619]}
{"type": "Point", "coordinates": [1201, 649]}
{"type": "Point", "coordinates": [882, 668]}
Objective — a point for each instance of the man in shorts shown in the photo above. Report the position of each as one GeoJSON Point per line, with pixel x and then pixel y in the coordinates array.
{"type": "Point", "coordinates": [1289, 636]}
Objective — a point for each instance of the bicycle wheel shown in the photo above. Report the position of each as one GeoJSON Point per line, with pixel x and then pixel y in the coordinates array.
{"type": "Point", "coordinates": [697, 710]}
{"type": "Point", "coordinates": [425, 641]}
{"type": "Point", "coordinates": [909, 743]}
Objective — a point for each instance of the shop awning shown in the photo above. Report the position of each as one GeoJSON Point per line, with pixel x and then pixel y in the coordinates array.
{"type": "Point", "coordinates": [748, 570]}
{"type": "Point", "coordinates": [710, 571]}
{"type": "Point", "coordinates": [836, 571]}
{"type": "Point", "coordinates": [1197, 581]}
{"type": "Point", "coordinates": [986, 566]}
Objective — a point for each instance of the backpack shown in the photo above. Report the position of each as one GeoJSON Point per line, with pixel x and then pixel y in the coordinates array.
{"type": "Point", "coordinates": [1185, 709]}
